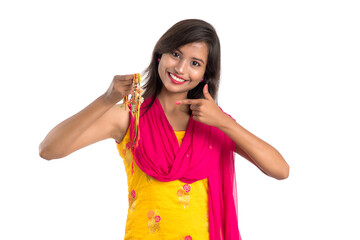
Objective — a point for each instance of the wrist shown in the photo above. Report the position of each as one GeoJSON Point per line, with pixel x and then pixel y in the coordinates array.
{"type": "Point", "coordinates": [224, 122]}
{"type": "Point", "coordinates": [108, 100]}
{"type": "Point", "coordinates": [111, 100]}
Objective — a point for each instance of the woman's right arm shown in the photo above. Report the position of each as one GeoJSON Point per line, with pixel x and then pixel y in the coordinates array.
{"type": "Point", "coordinates": [100, 120]}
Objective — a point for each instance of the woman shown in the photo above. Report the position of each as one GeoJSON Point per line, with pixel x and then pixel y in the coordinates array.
{"type": "Point", "coordinates": [181, 171]}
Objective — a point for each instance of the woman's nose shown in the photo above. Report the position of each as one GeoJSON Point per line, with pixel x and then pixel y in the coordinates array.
{"type": "Point", "coordinates": [181, 66]}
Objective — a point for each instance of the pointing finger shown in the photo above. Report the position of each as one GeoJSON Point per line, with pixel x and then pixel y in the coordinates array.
{"type": "Point", "coordinates": [189, 101]}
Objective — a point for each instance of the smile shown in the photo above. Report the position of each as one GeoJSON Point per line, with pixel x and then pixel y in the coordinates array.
{"type": "Point", "coordinates": [175, 79]}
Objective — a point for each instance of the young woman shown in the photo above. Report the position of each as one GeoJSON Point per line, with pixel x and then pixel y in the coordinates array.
{"type": "Point", "coordinates": [180, 173]}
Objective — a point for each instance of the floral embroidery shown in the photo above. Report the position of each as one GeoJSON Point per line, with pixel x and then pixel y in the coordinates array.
{"type": "Point", "coordinates": [150, 214]}
{"type": "Point", "coordinates": [157, 219]}
{"type": "Point", "coordinates": [187, 188]}
{"type": "Point", "coordinates": [132, 167]}
{"type": "Point", "coordinates": [184, 195]}
{"type": "Point", "coordinates": [125, 151]}
{"type": "Point", "coordinates": [154, 221]}
{"type": "Point", "coordinates": [132, 201]}
{"type": "Point", "coordinates": [126, 154]}
{"type": "Point", "coordinates": [188, 237]}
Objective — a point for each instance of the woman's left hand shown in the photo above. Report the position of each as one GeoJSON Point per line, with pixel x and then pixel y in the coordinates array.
{"type": "Point", "coordinates": [205, 110]}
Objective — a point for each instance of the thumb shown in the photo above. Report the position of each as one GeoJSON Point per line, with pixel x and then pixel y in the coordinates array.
{"type": "Point", "coordinates": [206, 92]}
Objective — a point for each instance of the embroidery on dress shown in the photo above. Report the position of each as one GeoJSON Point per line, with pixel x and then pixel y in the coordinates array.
{"type": "Point", "coordinates": [132, 167]}
{"type": "Point", "coordinates": [184, 195]}
{"type": "Point", "coordinates": [132, 201]}
{"type": "Point", "coordinates": [183, 237]}
{"type": "Point", "coordinates": [127, 152]}
{"type": "Point", "coordinates": [153, 221]}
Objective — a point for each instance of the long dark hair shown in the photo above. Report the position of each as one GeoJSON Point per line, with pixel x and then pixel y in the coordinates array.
{"type": "Point", "coordinates": [182, 33]}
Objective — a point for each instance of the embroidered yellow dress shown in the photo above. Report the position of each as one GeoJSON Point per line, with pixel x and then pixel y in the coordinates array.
{"type": "Point", "coordinates": [163, 210]}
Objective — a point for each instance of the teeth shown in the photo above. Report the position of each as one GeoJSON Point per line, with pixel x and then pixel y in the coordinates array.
{"type": "Point", "coordinates": [176, 78]}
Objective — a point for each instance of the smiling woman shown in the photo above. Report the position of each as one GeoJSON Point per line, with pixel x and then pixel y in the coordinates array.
{"type": "Point", "coordinates": [181, 68]}
{"type": "Point", "coordinates": [181, 171]}
{"type": "Point", "coordinates": [202, 56]}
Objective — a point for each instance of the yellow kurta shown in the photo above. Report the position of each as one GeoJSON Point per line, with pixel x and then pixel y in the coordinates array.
{"type": "Point", "coordinates": [163, 210]}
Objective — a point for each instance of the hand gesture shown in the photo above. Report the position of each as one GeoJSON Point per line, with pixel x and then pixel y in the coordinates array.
{"type": "Point", "coordinates": [205, 110]}
{"type": "Point", "coordinates": [120, 87]}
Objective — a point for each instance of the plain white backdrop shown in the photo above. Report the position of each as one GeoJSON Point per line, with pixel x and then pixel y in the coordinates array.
{"type": "Point", "coordinates": [289, 75]}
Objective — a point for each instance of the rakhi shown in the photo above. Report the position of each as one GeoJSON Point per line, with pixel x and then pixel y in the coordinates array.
{"type": "Point", "coordinates": [135, 102]}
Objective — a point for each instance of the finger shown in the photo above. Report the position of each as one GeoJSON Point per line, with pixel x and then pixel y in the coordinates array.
{"type": "Point", "coordinates": [194, 107]}
{"type": "Point", "coordinates": [125, 83]}
{"type": "Point", "coordinates": [127, 88]}
{"type": "Point", "coordinates": [124, 77]}
{"type": "Point", "coordinates": [196, 118]}
{"type": "Point", "coordinates": [195, 113]}
{"type": "Point", "coordinates": [128, 77]}
{"type": "Point", "coordinates": [189, 101]}
{"type": "Point", "coordinates": [206, 92]}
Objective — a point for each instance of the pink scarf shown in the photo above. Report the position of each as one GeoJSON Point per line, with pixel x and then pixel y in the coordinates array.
{"type": "Point", "coordinates": [206, 152]}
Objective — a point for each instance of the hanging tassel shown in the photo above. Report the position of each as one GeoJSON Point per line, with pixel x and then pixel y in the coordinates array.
{"type": "Point", "coordinates": [125, 103]}
{"type": "Point", "coordinates": [135, 103]}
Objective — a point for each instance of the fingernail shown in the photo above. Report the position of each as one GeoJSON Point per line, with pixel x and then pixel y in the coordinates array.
{"type": "Point", "coordinates": [177, 103]}
{"type": "Point", "coordinates": [207, 87]}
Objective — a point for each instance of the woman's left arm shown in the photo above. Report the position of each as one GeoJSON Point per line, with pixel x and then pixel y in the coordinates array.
{"type": "Point", "coordinates": [257, 151]}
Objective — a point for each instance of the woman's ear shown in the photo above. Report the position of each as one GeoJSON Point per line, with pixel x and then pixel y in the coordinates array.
{"type": "Point", "coordinates": [203, 79]}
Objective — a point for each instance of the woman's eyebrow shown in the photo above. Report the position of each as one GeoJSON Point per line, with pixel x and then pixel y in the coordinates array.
{"type": "Point", "coordinates": [198, 59]}
{"type": "Point", "coordinates": [179, 51]}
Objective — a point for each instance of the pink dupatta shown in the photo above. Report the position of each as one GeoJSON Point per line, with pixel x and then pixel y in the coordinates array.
{"type": "Point", "coordinates": [206, 152]}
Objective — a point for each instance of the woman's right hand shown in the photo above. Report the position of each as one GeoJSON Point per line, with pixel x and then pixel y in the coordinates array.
{"type": "Point", "coordinates": [120, 87]}
{"type": "Point", "coordinates": [100, 120]}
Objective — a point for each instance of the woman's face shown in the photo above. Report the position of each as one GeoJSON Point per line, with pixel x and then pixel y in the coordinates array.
{"type": "Point", "coordinates": [183, 68]}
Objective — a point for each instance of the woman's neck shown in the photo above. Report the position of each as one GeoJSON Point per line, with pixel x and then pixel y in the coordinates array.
{"type": "Point", "coordinates": [168, 102]}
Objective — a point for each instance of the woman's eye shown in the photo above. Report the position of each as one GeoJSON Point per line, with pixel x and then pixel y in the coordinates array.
{"type": "Point", "coordinates": [175, 54]}
{"type": "Point", "coordinates": [195, 63]}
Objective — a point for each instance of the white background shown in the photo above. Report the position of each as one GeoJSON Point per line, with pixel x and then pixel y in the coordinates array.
{"type": "Point", "coordinates": [289, 74]}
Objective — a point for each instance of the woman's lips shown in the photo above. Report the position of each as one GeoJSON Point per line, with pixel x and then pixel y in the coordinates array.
{"type": "Point", "coordinates": [175, 79]}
